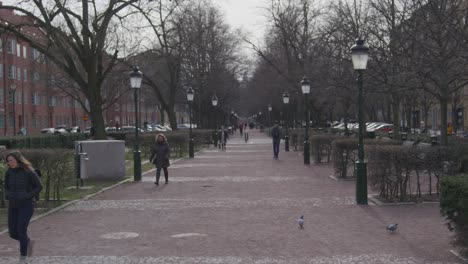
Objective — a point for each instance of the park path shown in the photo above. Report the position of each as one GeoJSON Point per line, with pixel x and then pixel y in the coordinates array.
{"type": "Point", "coordinates": [238, 206]}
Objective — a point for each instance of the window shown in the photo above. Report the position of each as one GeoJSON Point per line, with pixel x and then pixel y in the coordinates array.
{"type": "Point", "coordinates": [18, 50]}
{"type": "Point", "coordinates": [25, 97]}
{"type": "Point", "coordinates": [24, 52]}
{"type": "Point", "coordinates": [11, 72]}
{"type": "Point", "coordinates": [10, 46]}
{"type": "Point", "coordinates": [31, 53]}
{"type": "Point", "coordinates": [18, 74]}
{"type": "Point", "coordinates": [53, 101]}
{"type": "Point", "coordinates": [36, 77]}
{"type": "Point", "coordinates": [1, 95]}
{"type": "Point", "coordinates": [2, 121]}
{"type": "Point", "coordinates": [25, 74]}
{"type": "Point", "coordinates": [10, 96]}
{"type": "Point", "coordinates": [1, 70]}
{"type": "Point", "coordinates": [1, 44]}
{"type": "Point", "coordinates": [18, 97]}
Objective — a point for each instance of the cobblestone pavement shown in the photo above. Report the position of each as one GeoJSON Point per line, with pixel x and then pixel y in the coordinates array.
{"type": "Point", "coordinates": [239, 206]}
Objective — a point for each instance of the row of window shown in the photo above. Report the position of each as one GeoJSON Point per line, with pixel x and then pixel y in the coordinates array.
{"type": "Point", "coordinates": [37, 99]}
{"type": "Point", "coordinates": [15, 73]}
{"type": "Point", "coordinates": [10, 48]}
{"type": "Point", "coordinates": [40, 121]}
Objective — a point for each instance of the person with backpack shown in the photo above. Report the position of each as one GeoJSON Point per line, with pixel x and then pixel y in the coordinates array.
{"type": "Point", "coordinates": [22, 185]}
{"type": "Point", "coordinates": [276, 135]}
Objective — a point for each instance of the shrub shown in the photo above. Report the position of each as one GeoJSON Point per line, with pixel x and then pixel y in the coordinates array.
{"type": "Point", "coordinates": [321, 145]}
{"type": "Point", "coordinates": [454, 206]}
{"type": "Point", "coordinates": [42, 141]}
{"type": "Point", "coordinates": [344, 153]}
{"type": "Point", "coordinates": [56, 166]}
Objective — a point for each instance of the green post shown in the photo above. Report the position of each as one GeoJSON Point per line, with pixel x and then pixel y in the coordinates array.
{"type": "Point", "coordinates": [136, 152]}
{"type": "Point", "coordinates": [361, 165]}
{"type": "Point", "coordinates": [191, 155]}
{"type": "Point", "coordinates": [306, 134]}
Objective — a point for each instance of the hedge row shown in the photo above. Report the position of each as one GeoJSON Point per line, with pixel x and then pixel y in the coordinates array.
{"type": "Point", "coordinates": [66, 141]}
{"type": "Point", "coordinates": [454, 206]}
{"type": "Point", "coordinates": [56, 166]}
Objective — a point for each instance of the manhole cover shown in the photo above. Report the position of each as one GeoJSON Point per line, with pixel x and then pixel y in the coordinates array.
{"type": "Point", "coordinates": [119, 235]}
{"type": "Point", "coordinates": [189, 235]}
{"type": "Point", "coordinates": [207, 186]}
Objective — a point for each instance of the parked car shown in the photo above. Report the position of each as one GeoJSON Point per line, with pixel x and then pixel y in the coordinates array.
{"type": "Point", "coordinates": [60, 129]}
{"type": "Point", "coordinates": [48, 130]}
{"type": "Point", "coordinates": [75, 129]}
{"type": "Point", "coordinates": [111, 129]}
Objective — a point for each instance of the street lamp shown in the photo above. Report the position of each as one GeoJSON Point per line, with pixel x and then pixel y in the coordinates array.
{"type": "Point", "coordinates": [269, 115]}
{"type": "Point", "coordinates": [135, 83]}
{"type": "Point", "coordinates": [214, 102]}
{"type": "Point", "coordinates": [286, 137]}
{"type": "Point", "coordinates": [190, 94]}
{"type": "Point", "coordinates": [359, 56]}
{"type": "Point", "coordinates": [305, 87]}
{"type": "Point", "coordinates": [13, 97]}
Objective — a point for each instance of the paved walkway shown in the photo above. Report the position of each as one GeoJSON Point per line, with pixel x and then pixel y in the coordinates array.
{"type": "Point", "coordinates": [238, 206]}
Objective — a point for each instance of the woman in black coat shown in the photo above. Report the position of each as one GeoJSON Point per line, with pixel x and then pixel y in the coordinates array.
{"type": "Point", "coordinates": [160, 157]}
{"type": "Point", "coordinates": [21, 186]}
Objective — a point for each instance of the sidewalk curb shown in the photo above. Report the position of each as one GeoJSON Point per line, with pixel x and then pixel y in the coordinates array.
{"type": "Point", "coordinates": [458, 255]}
{"type": "Point", "coordinates": [129, 179]}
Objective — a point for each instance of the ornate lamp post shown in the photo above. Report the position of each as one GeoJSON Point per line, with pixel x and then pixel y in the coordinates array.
{"type": "Point", "coordinates": [305, 87]}
{"type": "Point", "coordinates": [286, 137]}
{"type": "Point", "coordinates": [214, 102]}
{"type": "Point", "coordinates": [359, 56]}
{"type": "Point", "coordinates": [13, 97]}
{"type": "Point", "coordinates": [135, 83]}
{"type": "Point", "coordinates": [190, 94]}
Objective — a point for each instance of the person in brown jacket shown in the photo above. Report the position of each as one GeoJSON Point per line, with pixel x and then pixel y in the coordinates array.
{"type": "Point", "coordinates": [160, 157]}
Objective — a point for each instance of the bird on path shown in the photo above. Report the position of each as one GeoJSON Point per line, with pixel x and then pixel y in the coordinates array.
{"type": "Point", "coordinates": [392, 227]}
{"type": "Point", "coordinates": [301, 222]}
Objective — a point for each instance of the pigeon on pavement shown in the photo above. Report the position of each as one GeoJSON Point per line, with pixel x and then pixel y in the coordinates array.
{"type": "Point", "coordinates": [301, 222]}
{"type": "Point", "coordinates": [392, 227]}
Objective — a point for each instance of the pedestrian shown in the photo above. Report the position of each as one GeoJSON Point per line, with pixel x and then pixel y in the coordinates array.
{"type": "Point", "coordinates": [241, 128]}
{"type": "Point", "coordinates": [22, 185]}
{"type": "Point", "coordinates": [276, 135]}
{"type": "Point", "coordinates": [223, 137]}
{"type": "Point", "coordinates": [246, 134]}
{"type": "Point", "coordinates": [160, 157]}
{"type": "Point", "coordinates": [214, 136]}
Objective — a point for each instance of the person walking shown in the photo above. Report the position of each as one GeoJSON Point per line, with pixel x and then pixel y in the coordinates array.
{"type": "Point", "coordinates": [160, 157]}
{"type": "Point", "coordinates": [22, 185]}
{"type": "Point", "coordinates": [276, 135]}
{"type": "Point", "coordinates": [246, 133]}
{"type": "Point", "coordinates": [223, 137]}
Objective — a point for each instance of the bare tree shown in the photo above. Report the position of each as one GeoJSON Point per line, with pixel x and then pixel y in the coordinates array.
{"type": "Point", "coordinates": [81, 38]}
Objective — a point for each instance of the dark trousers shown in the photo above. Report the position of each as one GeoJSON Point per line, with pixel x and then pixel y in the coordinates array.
{"type": "Point", "coordinates": [276, 144]}
{"type": "Point", "coordinates": [158, 174]}
{"type": "Point", "coordinates": [18, 221]}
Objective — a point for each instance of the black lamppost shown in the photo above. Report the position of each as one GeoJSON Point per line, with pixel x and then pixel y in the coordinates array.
{"type": "Point", "coordinates": [13, 97]}
{"type": "Point", "coordinates": [214, 102]}
{"type": "Point", "coordinates": [305, 87]}
{"type": "Point", "coordinates": [359, 56]}
{"type": "Point", "coordinates": [286, 104]}
{"type": "Point", "coordinates": [269, 115]}
{"type": "Point", "coordinates": [135, 83]}
{"type": "Point", "coordinates": [190, 94]}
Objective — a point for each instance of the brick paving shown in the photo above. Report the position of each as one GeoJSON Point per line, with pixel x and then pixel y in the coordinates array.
{"type": "Point", "coordinates": [238, 206]}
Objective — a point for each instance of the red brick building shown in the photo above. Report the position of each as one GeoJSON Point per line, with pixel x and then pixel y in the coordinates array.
{"type": "Point", "coordinates": [28, 100]}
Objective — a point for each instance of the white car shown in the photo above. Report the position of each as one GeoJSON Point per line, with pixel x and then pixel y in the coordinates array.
{"type": "Point", "coordinates": [49, 130]}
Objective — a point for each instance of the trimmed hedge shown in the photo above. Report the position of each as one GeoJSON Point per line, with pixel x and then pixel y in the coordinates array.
{"type": "Point", "coordinates": [344, 153]}
{"type": "Point", "coordinates": [40, 141]}
{"type": "Point", "coordinates": [321, 145]}
{"type": "Point", "coordinates": [454, 206]}
{"type": "Point", "coordinates": [56, 166]}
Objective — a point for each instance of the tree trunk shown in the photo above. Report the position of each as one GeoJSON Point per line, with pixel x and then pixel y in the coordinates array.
{"type": "Point", "coordinates": [396, 116]}
{"type": "Point", "coordinates": [443, 117]}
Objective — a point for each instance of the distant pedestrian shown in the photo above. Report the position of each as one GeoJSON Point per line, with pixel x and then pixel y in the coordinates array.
{"type": "Point", "coordinates": [241, 129]}
{"type": "Point", "coordinates": [160, 157]}
{"type": "Point", "coordinates": [22, 185]}
{"type": "Point", "coordinates": [223, 137]}
{"type": "Point", "coordinates": [246, 133]}
{"type": "Point", "coordinates": [276, 135]}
